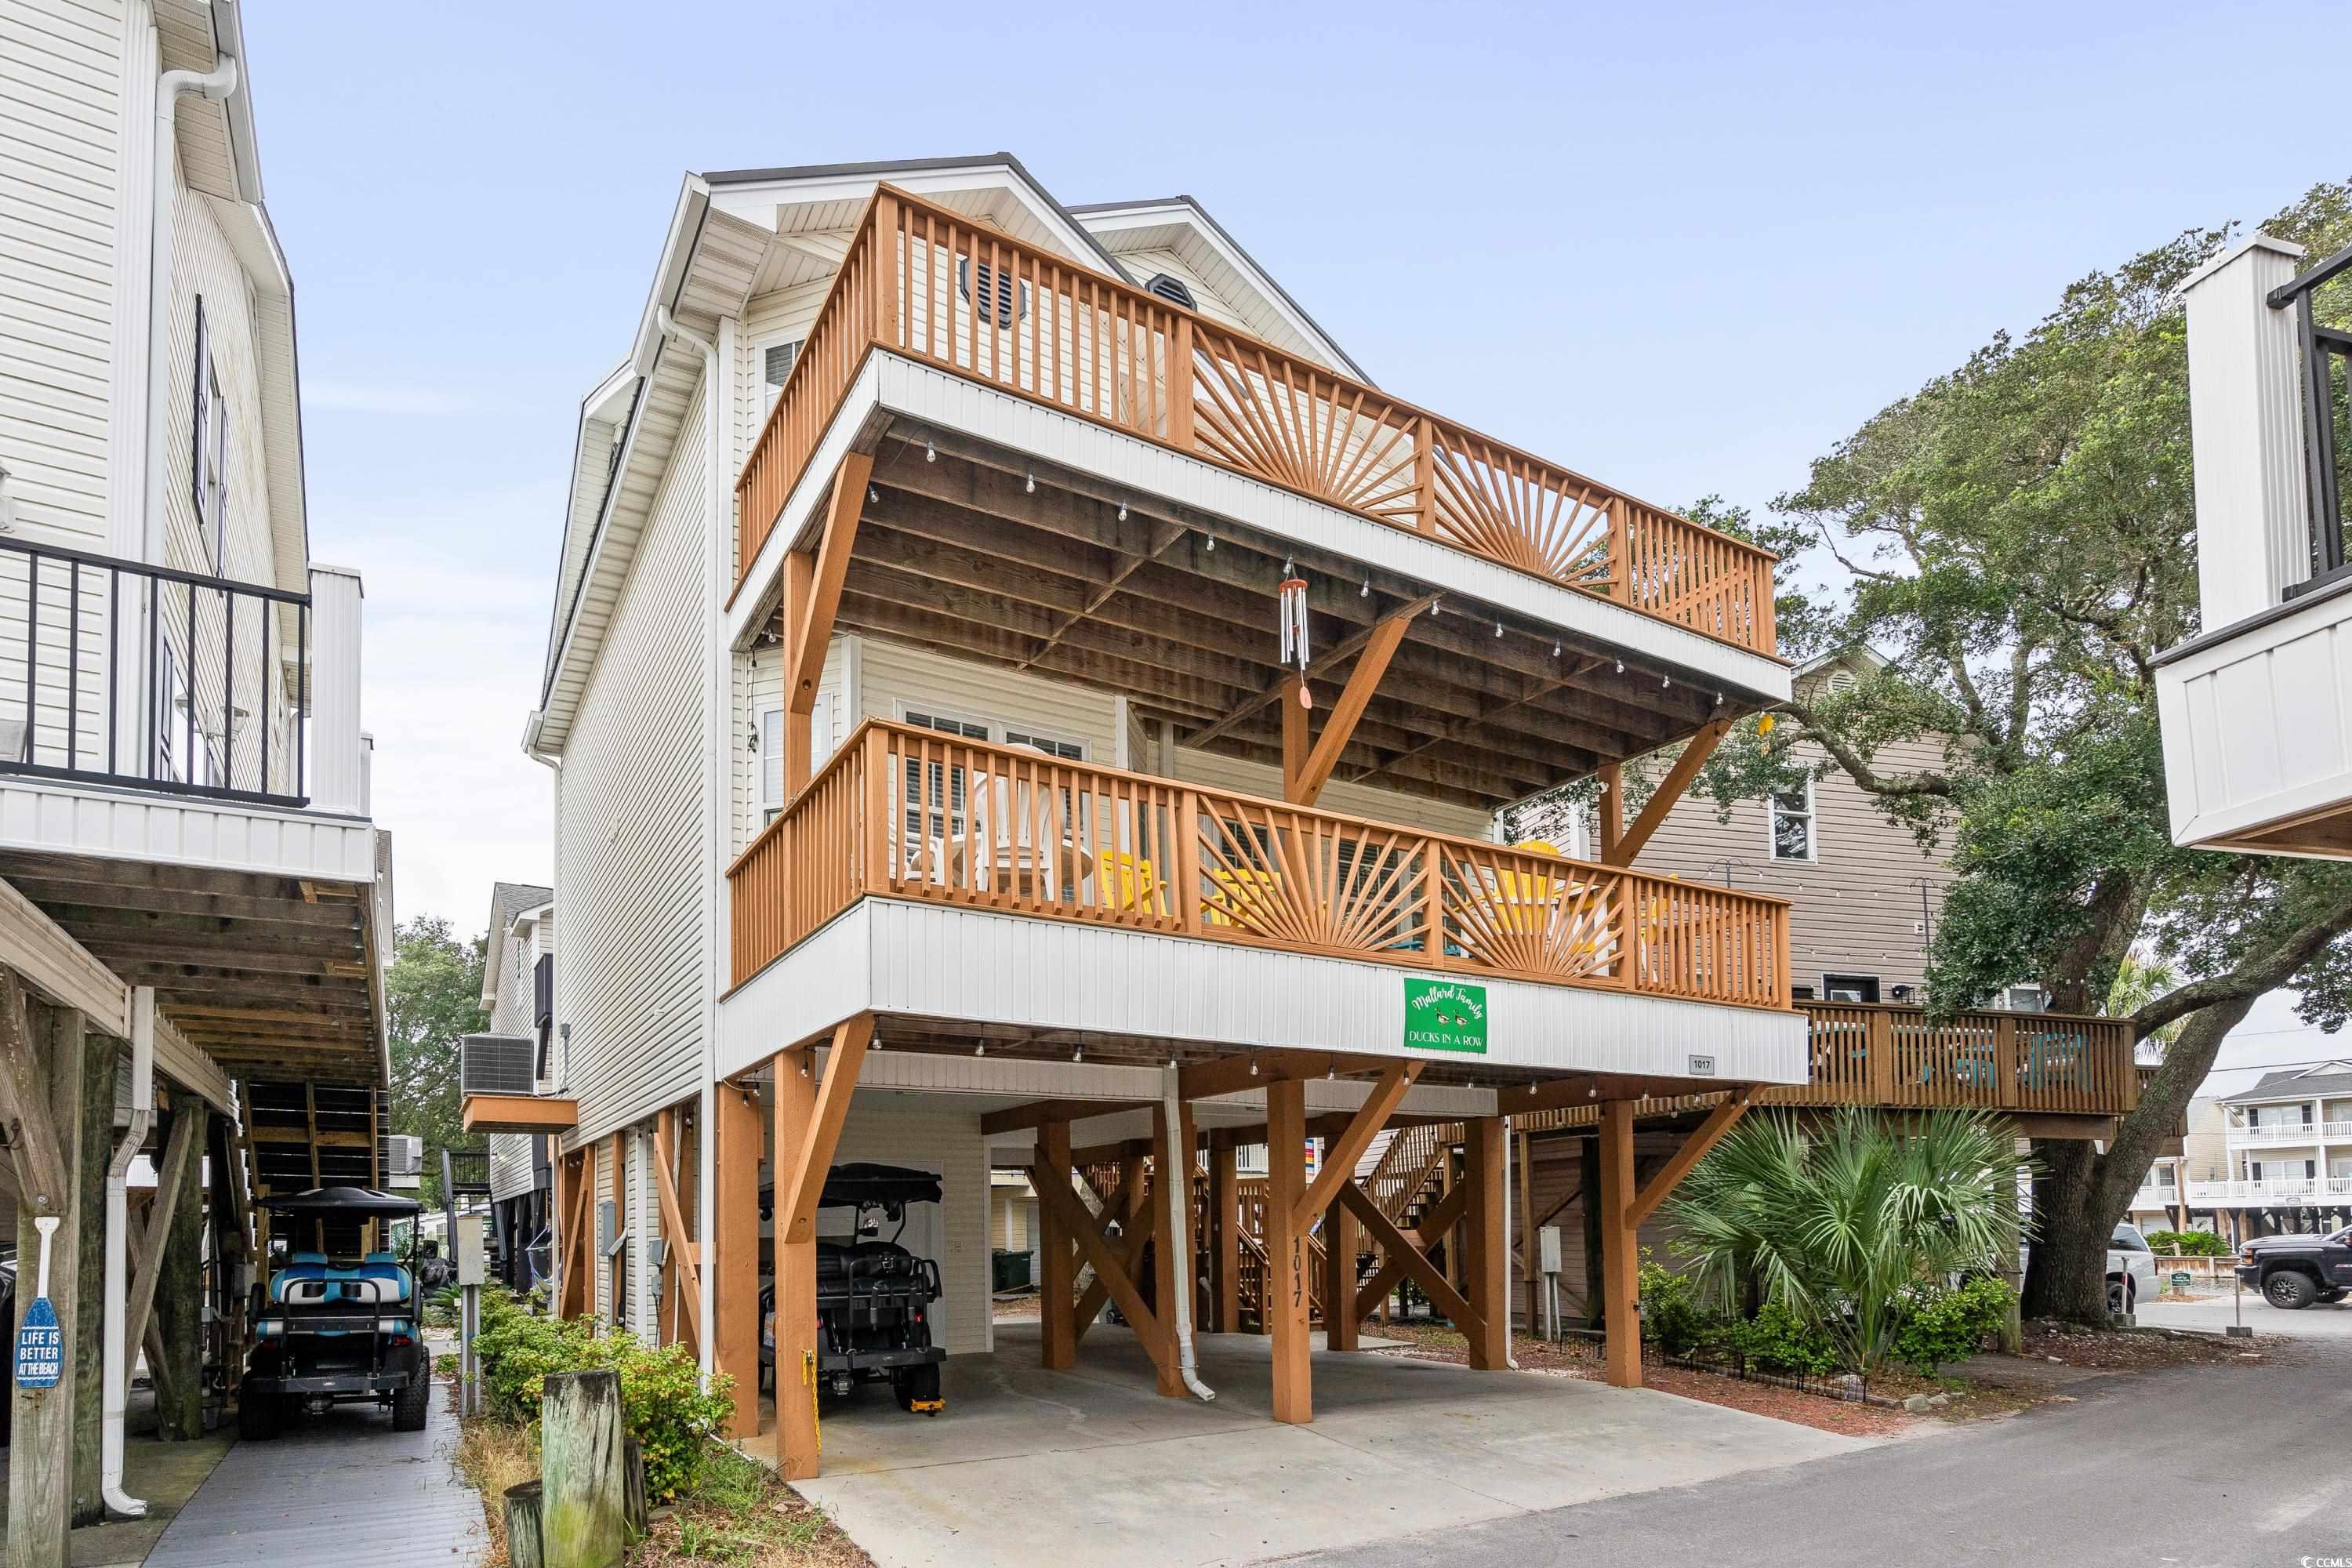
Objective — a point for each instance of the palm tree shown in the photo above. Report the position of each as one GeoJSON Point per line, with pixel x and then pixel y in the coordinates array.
{"type": "Point", "coordinates": [1841, 1220]}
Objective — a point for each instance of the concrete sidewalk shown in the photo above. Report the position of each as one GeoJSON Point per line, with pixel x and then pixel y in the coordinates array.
{"type": "Point", "coordinates": [1090, 1465]}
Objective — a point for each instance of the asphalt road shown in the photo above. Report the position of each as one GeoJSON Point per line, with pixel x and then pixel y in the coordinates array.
{"type": "Point", "coordinates": [2316, 1323]}
{"type": "Point", "coordinates": [2204, 1468]}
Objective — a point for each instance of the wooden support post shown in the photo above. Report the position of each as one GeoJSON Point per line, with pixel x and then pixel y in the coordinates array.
{"type": "Point", "coordinates": [1171, 1253]}
{"type": "Point", "coordinates": [179, 1332]}
{"type": "Point", "coordinates": [44, 1086]}
{"type": "Point", "coordinates": [1286, 1257]}
{"type": "Point", "coordinates": [735, 1244]}
{"type": "Point", "coordinates": [1620, 1278]}
{"type": "Point", "coordinates": [1225, 1235]}
{"type": "Point", "coordinates": [1530, 1280]}
{"type": "Point", "coordinates": [681, 1307]}
{"type": "Point", "coordinates": [809, 1114]}
{"type": "Point", "coordinates": [1588, 1203]}
{"type": "Point", "coordinates": [1056, 1271]}
{"type": "Point", "coordinates": [582, 1519]}
{"type": "Point", "coordinates": [1486, 1254]}
{"type": "Point", "coordinates": [95, 1149]}
{"type": "Point", "coordinates": [1340, 1324]}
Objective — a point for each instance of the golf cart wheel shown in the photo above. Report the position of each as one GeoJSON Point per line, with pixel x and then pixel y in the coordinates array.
{"type": "Point", "coordinates": [408, 1405]}
{"type": "Point", "coordinates": [2290, 1292]}
{"type": "Point", "coordinates": [258, 1417]}
{"type": "Point", "coordinates": [917, 1387]}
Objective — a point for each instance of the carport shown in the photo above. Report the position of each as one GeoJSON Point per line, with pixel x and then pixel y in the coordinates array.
{"type": "Point", "coordinates": [1089, 1459]}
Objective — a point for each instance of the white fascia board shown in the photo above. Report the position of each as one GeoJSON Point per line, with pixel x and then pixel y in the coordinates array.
{"type": "Point", "coordinates": [755, 202]}
{"type": "Point", "coordinates": [939, 962]}
{"type": "Point", "coordinates": [937, 399]}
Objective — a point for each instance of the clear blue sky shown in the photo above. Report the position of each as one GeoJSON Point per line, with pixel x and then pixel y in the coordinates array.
{"type": "Point", "coordinates": [1684, 249]}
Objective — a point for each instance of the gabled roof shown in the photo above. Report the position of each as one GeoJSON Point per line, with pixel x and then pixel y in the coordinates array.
{"type": "Point", "coordinates": [508, 900]}
{"type": "Point", "coordinates": [2327, 1078]}
{"type": "Point", "coordinates": [1146, 225]}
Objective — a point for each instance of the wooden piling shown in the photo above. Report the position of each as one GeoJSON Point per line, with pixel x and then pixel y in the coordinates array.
{"type": "Point", "coordinates": [582, 1478]}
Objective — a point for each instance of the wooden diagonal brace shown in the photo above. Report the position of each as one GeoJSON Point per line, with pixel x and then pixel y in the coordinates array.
{"type": "Point", "coordinates": [171, 1175]}
{"type": "Point", "coordinates": [808, 639]}
{"type": "Point", "coordinates": [1424, 1236]}
{"type": "Point", "coordinates": [1719, 1122]}
{"type": "Point", "coordinates": [1694, 753]}
{"type": "Point", "coordinates": [804, 1168]}
{"type": "Point", "coordinates": [681, 1246]}
{"type": "Point", "coordinates": [1339, 727]}
{"type": "Point", "coordinates": [1339, 1159]}
{"type": "Point", "coordinates": [1139, 1230]}
{"type": "Point", "coordinates": [1073, 1217]}
{"type": "Point", "coordinates": [1400, 1251]}
{"type": "Point", "coordinates": [33, 1144]}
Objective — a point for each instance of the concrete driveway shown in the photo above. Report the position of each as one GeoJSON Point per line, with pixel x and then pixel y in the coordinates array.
{"type": "Point", "coordinates": [1090, 1465]}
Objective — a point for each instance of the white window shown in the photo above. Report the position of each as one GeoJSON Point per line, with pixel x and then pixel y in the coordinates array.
{"type": "Point", "coordinates": [1052, 746]}
{"type": "Point", "coordinates": [936, 792]}
{"type": "Point", "coordinates": [772, 763]}
{"type": "Point", "coordinates": [776, 361]}
{"type": "Point", "coordinates": [209, 468]}
{"type": "Point", "coordinates": [1792, 823]}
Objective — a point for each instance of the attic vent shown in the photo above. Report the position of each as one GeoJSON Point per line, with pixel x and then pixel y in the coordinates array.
{"type": "Point", "coordinates": [1841, 680]}
{"type": "Point", "coordinates": [1171, 289]}
{"type": "Point", "coordinates": [995, 287]}
{"type": "Point", "coordinates": [780, 358]}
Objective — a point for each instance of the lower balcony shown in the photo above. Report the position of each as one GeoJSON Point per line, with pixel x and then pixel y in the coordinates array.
{"type": "Point", "coordinates": [932, 877]}
{"type": "Point", "coordinates": [2276, 1192]}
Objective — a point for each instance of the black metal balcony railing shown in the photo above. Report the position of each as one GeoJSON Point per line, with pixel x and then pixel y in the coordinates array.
{"type": "Point", "coordinates": [120, 673]}
{"type": "Point", "coordinates": [2326, 413]}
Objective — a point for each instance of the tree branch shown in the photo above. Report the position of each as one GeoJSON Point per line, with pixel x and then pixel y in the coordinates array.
{"type": "Point", "coordinates": [2267, 971]}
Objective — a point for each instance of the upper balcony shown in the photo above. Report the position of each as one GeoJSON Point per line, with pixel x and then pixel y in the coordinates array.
{"type": "Point", "coordinates": [2289, 1132]}
{"type": "Point", "coordinates": [2257, 710]}
{"type": "Point", "coordinates": [183, 790]}
{"type": "Point", "coordinates": [1087, 479]}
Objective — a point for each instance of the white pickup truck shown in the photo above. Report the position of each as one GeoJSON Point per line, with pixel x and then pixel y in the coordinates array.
{"type": "Point", "coordinates": [2131, 1269]}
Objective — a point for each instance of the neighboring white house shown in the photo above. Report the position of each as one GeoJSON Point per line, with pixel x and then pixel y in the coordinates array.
{"type": "Point", "coordinates": [518, 993]}
{"type": "Point", "coordinates": [186, 855]}
{"type": "Point", "coordinates": [2289, 1152]}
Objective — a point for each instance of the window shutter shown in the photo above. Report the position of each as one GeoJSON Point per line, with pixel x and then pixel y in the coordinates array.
{"type": "Point", "coordinates": [197, 426]}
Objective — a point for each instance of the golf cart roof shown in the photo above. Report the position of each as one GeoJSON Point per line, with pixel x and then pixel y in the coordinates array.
{"type": "Point", "coordinates": [343, 1202]}
{"type": "Point", "coordinates": [863, 1185]}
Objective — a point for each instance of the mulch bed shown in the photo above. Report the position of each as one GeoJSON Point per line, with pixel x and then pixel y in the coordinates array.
{"type": "Point", "coordinates": [2143, 1349]}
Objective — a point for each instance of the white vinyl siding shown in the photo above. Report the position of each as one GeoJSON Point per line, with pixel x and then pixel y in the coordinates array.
{"type": "Point", "coordinates": [756, 777]}
{"type": "Point", "coordinates": [60, 89]}
{"type": "Point", "coordinates": [1246, 777]}
{"type": "Point", "coordinates": [1145, 264]}
{"type": "Point", "coordinates": [939, 1133]}
{"type": "Point", "coordinates": [631, 861]}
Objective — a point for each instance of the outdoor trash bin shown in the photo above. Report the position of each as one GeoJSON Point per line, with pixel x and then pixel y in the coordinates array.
{"type": "Point", "coordinates": [1008, 1270]}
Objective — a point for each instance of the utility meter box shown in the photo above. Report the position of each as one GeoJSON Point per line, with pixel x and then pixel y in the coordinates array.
{"type": "Point", "coordinates": [470, 1269]}
{"type": "Point", "coordinates": [1548, 1249]}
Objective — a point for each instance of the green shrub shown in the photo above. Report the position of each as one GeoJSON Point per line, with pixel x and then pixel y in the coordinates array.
{"type": "Point", "coordinates": [2189, 1243]}
{"type": "Point", "coordinates": [1945, 1326]}
{"type": "Point", "coordinates": [664, 1403]}
{"type": "Point", "coordinates": [1778, 1340]}
{"type": "Point", "coordinates": [1672, 1314]}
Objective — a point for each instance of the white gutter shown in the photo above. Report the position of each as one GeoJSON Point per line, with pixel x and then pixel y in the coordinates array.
{"type": "Point", "coordinates": [1177, 1187]}
{"type": "Point", "coordinates": [1505, 1305]}
{"type": "Point", "coordinates": [718, 716]}
{"type": "Point", "coordinates": [115, 1359]}
{"type": "Point", "coordinates": [215, 86]}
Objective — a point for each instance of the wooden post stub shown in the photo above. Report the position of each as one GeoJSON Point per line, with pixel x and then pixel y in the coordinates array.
{"type": "Point", "coordinates": [582, 1496]}
{"type": "Point", "coordinates": [525, 1548]}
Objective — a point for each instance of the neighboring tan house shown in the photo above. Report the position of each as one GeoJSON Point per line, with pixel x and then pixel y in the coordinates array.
{"type": "Point", "coordinates": [2169, 1198]}
{"type": "Point", "coordinates": [187, 866]}
{"type": "Point", "coordinates": [1020, 698]}
{"type": "Point", "coordinates": [518, 993]}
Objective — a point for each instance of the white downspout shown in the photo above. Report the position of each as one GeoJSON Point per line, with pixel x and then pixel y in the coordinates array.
{"type": "Point", "coordinates": [214, 86]}
{"type": "Point", "coordinates": [115, 1360]}
{"type": "Point", "coordinates": [717, 745]}
{"type": "Point", "coordinates": [1509, 1359]}
{"type": "Point", "coordinates": [1177, 1228]}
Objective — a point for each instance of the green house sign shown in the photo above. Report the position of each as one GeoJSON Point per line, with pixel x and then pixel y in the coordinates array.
{"type": "Point", "coordinates": [1444, 1015]}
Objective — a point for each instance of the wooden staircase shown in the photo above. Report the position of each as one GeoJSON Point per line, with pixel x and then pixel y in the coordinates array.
{"type": "Point", "coordinates": [1405, 1180]}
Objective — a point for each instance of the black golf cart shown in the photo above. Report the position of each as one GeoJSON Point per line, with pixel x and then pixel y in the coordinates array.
{"type": "Point", "coordinates": [338, 1326]}
{"type": "Point", "coordinates": [873, 1297]}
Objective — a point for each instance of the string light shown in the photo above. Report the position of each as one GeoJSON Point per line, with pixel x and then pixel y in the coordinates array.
{"type": "Point", "coordinates": [1366, 591]}
{"type": "Point", "coordinates": [1664, 681]}
{"type": "Point", "coordinates": [930, 453]}
{"type": "Point", "coordinates": [1213, 537]}
{"type": "Point", "coordinates": [1122, 511]}
{"type": "Point", "coordinates": [980, 1050]}
{"type": "Point", "coordinates": [1171, 1064]}
{"type": "Point", "coordinates": [1252, 1067]}
{"type": "Point", "coordinates": [1435, 605]}
{"type": "Point", "coordinates": [1555, 650]}
{"type": "Point", "coordinates": [1078, 1053]}
{"type": "Point", "coordinates": [1718, 699]}
{"type": "Point", "coordinates": [1030, 487]}
{"type": "Point", "coordinates": [873, 496]}
{"type": "Point", "coordinates": [1499, 628]}
{"type": "Point", "coordinates": [1620, 667]}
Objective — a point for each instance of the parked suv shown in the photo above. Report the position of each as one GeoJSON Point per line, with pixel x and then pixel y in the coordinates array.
{"type": "Point", "coordinates": [2294, 1271]}
{"type": "Point", "coordinates": [2131, 1269]}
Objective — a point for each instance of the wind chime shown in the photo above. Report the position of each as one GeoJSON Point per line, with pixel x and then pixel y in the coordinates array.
{"type": "Point", "coordinates": [1291, 600]}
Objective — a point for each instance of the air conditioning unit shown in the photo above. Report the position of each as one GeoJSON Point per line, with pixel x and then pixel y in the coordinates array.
{"type": "Point", "coordinates": [404, 1155]}
{"type": "Point", "coordinates": [497, 1064]}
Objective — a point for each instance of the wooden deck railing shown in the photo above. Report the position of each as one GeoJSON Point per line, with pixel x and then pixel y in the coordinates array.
{"type": "Point", "coordinates": [1893, 1057]}
{"type": "Point", "coordinates": [909, 813]}
{"type": "Point", "coordinates": [1059, 333]}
